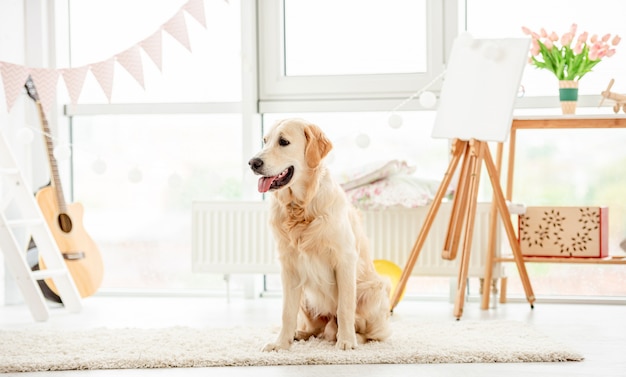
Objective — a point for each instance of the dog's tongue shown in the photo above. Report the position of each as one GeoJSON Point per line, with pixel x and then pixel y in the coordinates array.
{"type": "Point", "coordinates": [265, 183]}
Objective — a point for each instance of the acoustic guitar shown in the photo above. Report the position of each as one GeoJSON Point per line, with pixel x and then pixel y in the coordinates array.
{"type": "Point", "coordinates": [79, 251]}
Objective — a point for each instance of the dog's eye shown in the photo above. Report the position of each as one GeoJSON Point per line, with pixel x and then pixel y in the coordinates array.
{"type": "Point", "coordinates": [283, 142]}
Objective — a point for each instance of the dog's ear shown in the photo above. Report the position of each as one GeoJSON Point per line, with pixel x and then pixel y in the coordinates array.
{"type": "Point", "coordinates": [317, 145]}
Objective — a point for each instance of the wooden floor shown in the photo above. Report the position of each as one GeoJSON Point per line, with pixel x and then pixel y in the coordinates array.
{"type": "Point", "coordinates": [597, 331]}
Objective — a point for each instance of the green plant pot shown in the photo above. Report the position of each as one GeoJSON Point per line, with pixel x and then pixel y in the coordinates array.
{"type": "Point", "coordinates": [568, 95]}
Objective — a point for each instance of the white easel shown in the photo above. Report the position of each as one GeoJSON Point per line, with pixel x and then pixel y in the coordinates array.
{"type": "Point", "coordinates": [476, 106]}
{"type": "Point", "coordinates": [15, 191]}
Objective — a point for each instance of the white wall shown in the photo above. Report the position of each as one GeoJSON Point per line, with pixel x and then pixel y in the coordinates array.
{"type": "Point", "coordinates": [27, 37]}
{"type": "Point", "coordinates": [12, 42]}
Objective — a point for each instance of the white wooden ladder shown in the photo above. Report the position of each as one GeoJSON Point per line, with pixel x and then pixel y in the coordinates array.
{"type": "Point", "coordinates": [14, 191]}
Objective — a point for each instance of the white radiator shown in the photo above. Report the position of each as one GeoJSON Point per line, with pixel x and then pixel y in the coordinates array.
{"type": "Point", "coordinates": [234, 237]}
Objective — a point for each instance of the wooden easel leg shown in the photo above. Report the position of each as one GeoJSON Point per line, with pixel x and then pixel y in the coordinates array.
{"type": "Point", "coordinates": [508, 227]}
{"type": "Point", "coordinates": [457, 150]}
{"type": "Point", "coordinates": [503, 291]}
{"type": "Point", "coordinates": [475, 154]}
{"type": "Point", "coordinates": [459, 206]}
{"type": "Point", "coordinates": [491, 248]}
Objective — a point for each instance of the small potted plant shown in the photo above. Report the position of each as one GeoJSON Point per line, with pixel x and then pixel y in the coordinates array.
{"type": "Point", "coordinates": [569, 57]}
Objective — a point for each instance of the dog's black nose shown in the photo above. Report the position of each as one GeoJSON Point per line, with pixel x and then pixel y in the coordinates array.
{"type": "Point", "coordinates": [255, 163]}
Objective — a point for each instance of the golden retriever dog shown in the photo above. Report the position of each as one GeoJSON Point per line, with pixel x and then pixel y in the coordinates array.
{"type": "Point", "coordinates": [330, 286]}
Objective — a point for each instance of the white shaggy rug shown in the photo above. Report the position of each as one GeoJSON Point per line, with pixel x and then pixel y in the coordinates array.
{"type": "Point", "coordinates": [412, 342]}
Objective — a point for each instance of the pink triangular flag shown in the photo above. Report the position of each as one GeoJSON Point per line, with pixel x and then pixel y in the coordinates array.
{"type": "Point", "coordinates": [74, 79]}
{"type": "Point", "coordinates": [131, 60]}
{"type": "Point", "coordinates": [104, 72]}
{"type": "Point", "coordinates": [153, 46]}
{"type": "Point", "coordinates": [13, 78]}
{"type": "Point", "coordinates": [177, 28]}
{"type": "Point", "coordinates": [196, 9]}
{"type": "Point", "coordinates": [45, 81]}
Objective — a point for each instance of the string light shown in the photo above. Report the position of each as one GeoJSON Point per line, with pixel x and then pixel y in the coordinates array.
{"type": "Point", "coordinates": [427, 100]}
{"type": "Point", "coordinates": [63, 151]}
{"type": "Point", "coordinates": [175, 180]}
{"type": "Point", "coordinates": [395, 121]}
{"type": "Point", "coordinates": [363, 140]}
{"type": "Point", "coordinates": [99, 166]}
{"type": "Point", "coordinates": [135, 175]}
{"type": "Point", "coordinates": [24, 136]}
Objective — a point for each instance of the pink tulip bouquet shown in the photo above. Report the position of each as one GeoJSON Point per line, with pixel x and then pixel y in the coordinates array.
{"type": "Point", "coordinates": [575, 56]}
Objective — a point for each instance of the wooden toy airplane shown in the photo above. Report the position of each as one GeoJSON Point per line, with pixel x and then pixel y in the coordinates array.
{"type": "Point", "coordinates": [620, 99]}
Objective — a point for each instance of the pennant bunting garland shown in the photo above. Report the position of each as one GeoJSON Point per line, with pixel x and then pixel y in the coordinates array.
{"type": "Point", "coordinates": [14, 76]}
{"type": "Point", "coordinates": [103, 73]}
{"type": "Point", "coordinates": [131, 60]}
{"type": "Point", "coordinates": [153, 46]}
{"type": "Point", "coordinates": [195, 8]}
{"type": "Point", "coordinates": [74, 79]}
{"type": "Point", "coordinates": [45, 81]}
{"type": "Point", "coordinates": [177, 28]}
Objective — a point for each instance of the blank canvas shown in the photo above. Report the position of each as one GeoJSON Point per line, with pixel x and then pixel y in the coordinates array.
{"type": "Point", "coordinates": [480, 86]}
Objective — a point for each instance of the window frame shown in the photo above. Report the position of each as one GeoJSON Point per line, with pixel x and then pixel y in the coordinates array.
{"type": "Point", "coordinates": [280, 93]}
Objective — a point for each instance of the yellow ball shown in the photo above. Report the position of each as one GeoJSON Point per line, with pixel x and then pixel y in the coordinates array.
{"type": "Point", "coordinates": [391, 270]}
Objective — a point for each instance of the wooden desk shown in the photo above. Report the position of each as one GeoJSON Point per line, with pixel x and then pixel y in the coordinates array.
{"type": "Point", "coordinates": [550, 122]}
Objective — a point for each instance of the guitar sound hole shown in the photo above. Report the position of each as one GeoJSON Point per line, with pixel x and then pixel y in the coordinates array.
{"type": "Point", "coordinates": [65, 223]}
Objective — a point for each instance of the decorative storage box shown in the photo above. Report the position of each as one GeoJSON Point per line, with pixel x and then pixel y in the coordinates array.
{"type": "Point", "coordinates": [564, 232]}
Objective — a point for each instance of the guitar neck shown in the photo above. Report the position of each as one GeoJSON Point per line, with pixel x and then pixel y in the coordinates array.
{"type": "Point", "coordinates": [54, 170]}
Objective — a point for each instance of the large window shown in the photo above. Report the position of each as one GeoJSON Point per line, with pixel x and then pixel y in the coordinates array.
{"type": "Point", "coordinates": [345, 65]}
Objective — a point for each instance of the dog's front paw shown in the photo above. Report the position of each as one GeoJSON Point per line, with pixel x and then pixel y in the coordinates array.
{"type": "Point", "coordinates": [269, 347]}
{"type": "Point", "coordinates": [346, 344]}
